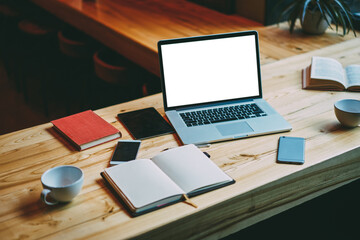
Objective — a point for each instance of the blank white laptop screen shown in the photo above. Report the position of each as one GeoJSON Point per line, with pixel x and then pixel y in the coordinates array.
{"type": "Point", "coordinates": [210, 70]}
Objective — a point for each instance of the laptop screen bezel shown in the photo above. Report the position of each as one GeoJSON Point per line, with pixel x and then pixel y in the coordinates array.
{"type": "Point", "coordinates": [201, 38]}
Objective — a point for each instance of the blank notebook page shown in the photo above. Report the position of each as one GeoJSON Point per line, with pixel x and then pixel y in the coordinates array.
{"type": "Point", "coordinates": [190, 168]}
{"type": "Point", "coordinates": [142, 182]}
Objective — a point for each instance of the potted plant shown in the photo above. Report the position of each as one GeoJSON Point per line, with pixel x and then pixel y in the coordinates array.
{"type": "Point", "coordinates": [316, 15]}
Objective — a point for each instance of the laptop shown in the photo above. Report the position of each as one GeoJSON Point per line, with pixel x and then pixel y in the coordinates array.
{"type": "Point", "coordinates": [211, 88]}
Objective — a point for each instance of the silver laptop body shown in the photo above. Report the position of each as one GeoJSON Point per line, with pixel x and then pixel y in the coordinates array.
{"type": "Point", "coordinates": [212, 88]}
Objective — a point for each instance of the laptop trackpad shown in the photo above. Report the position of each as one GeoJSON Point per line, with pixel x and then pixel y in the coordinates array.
{"type": "Point", "coordinates": [234, 128]}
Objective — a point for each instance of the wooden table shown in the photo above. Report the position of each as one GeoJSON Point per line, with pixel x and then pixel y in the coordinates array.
{"type": "Point", "coordinates": [133, 28]}
{"type": "Point", "coordinates": [263, 188]}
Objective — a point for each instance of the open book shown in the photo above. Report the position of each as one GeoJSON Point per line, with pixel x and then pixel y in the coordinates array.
{"type": "Point", "coordinates": [328, 74]}
{"type": "Point", "coordinates": [147, 184]}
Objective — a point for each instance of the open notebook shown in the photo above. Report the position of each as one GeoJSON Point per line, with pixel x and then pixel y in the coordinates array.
{"type": "Point", "coordinates": [147, 184]}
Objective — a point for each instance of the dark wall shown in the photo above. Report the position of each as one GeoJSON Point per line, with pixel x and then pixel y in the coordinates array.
{"type": "Point", "coordinates": [272, 11]}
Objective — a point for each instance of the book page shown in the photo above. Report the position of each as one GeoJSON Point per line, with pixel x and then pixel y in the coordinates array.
{"type": "Point", "coordinates": [142, 182]}
{"type": "Point", "coordinates": [328, 69]}
{"type": "Point", "coordinates": [190, 168]}
{"type": "Point", "coordinates": [353, 75]}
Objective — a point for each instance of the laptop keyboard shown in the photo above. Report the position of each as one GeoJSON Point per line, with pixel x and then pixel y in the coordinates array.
{"type": "Point", "coordinates": [223, 114]}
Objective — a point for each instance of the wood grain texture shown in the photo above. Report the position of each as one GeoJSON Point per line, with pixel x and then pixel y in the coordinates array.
{"type": "Point", "coordinates": [263, 187]}
{"type": "Point", "coordinates": [133, 28]}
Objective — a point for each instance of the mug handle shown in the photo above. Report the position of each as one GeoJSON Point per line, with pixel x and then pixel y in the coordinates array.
{"type": "Point", "coordinates": [44, 194]}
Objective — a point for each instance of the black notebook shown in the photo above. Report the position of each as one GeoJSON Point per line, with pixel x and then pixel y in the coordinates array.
{"type": "Point", "coordinates": [148, 184]}
{"type": "Point", "coordinates": [145, 123]}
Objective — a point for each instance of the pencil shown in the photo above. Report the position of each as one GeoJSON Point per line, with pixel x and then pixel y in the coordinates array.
{"type": "Point", "coordinates": [188, 201]}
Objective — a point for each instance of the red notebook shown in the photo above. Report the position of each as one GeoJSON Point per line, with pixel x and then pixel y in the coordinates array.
{"type": "Point", "coordinates": [86, 129]}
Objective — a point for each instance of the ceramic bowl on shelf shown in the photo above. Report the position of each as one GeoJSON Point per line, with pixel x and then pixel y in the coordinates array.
{"type": "Point", "coordinates": [347, 112]}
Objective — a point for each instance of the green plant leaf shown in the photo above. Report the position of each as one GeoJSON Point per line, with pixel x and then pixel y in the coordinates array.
{"type": "Point", "coordinates": [347, 14]}
{"type": "Point", "coordinates": [325, 10]}
{"type": "Point", "coordinates": [295, 14]}
{"type": "Point", "coordinates": [305, 7]}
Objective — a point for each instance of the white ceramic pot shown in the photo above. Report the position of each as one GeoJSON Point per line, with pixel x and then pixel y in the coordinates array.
{"type": "Point", "coordinates": [314, 23]}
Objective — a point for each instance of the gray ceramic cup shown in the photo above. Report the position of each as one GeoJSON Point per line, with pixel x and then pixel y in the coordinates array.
{"type": "Point", "coordinates": [347, 112]}
{"type": "Point", "coordinates": [61, 184]}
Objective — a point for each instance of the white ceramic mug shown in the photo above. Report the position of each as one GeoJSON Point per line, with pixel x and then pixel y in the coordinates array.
{"type": "Point", "coordinates": [61, 184]}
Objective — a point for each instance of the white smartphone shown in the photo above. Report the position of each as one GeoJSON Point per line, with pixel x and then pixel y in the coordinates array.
{"type": "Point", "coordinates": [126, 150]}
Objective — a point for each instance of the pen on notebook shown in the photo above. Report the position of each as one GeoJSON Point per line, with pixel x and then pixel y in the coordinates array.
{"type": "Point", "coordinates": [188, 201]}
